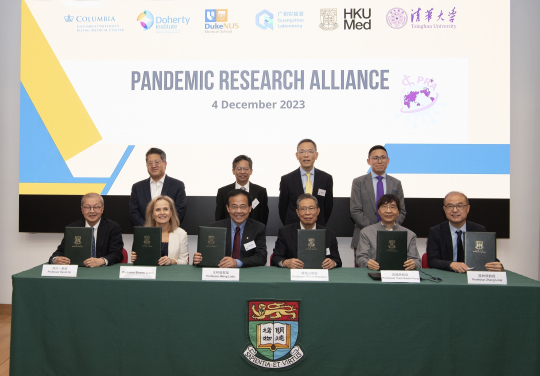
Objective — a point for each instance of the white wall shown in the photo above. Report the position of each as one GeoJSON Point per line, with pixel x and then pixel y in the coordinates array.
{"type": "Point", "coordinates": [21, 251]}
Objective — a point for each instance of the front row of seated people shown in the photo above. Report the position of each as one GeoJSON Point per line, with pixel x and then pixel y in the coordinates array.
{"type": "Point", "coordinates": [443, 251]}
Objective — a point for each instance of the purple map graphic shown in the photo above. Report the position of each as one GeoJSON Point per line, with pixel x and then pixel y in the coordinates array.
{"type": "Point", "coordinates": [418, 99]}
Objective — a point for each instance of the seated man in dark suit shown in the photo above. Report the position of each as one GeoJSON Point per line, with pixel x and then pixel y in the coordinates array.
{"type": "Point", "coordinates": [307, 179]}
{"type": "Point", "coordinates": [286, 250]}
{"type": "Point", "coordinates": [445, 241]}
{"type": "Point", "coordinates": [108, 243]}
{"type": "Point", "coordinates": [246, 238]}
{"type": "Point", "coordinates": [242, 169]}
{"type": "Point", "coordinates": [157, 184]}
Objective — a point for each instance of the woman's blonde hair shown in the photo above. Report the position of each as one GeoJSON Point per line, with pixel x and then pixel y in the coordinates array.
{"type": "Point", "coordinates": [174, 222]}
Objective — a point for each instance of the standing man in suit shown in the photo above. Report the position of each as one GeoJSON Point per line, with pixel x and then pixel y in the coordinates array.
{"type": "Point", "coordinates": [107, 243]}
{"type": "Point", "coordinates": [246, 238]}
{"type": "Point", "coordinates": [368, 189]}
{"type": "Point", "coordinates": [309, 180]}
{"type": "Point", "coordinates": [286, 250]}
{"type": "Point", "coordinates": [242, 168]}
{"type": "Point", "coordinates": [157, 184]}
{"type": "Point", "coordinates": [445, 241]}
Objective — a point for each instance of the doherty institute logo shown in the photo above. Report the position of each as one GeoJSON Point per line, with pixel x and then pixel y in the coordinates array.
{"type": "Point", "coordinates": [217, 21]}
{"type": "Point", "coordinates": [146, 19]}
{"type": "Point", "coordinates": [273, 331]}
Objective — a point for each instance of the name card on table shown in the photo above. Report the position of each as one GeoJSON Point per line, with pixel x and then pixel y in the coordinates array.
{"type": "Point", "coordinates": [59, 270]}
{"type": "Point", "coordinates": [309, 275]}
{"type": "Point", "coordinates": [400, 276]}
{"type": "Point", "coordinates": [219, 274]}
{"type": "Point", "coordinates": [486, 278]}
{"type": "Point", "coordinates": [138, 272]}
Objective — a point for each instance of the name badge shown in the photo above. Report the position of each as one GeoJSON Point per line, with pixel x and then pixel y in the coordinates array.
{"type": "Point", "coordinates": [309, 275]}
{"type": "Point", "coordinates": [59, 270]}
{"type": "Point", "coordinates": [400, 276]}
{"type": "Point", "coordinates": [486, 278]}
{"type": "Point", "coordinates": [250, 245]}
{"type": "Point", "coordinates": [322, 192]}
{"type": "Point", "coordinates": [219, 274]}
{"type": "Point", "coordinates": [254, 203]}
{"type": "Point", "coordinates": [138, 272]}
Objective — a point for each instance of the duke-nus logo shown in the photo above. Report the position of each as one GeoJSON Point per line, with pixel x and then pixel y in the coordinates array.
{"type": "Point", "coordinates": [217, 21]}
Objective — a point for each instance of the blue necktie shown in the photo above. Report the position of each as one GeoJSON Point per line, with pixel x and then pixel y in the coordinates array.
{"type": "Point", "coordinates": [460, 250]}
{"type": "Point", "coordinates": [380, 193]}
{"type": "Point", "coordinates": [93, 244]}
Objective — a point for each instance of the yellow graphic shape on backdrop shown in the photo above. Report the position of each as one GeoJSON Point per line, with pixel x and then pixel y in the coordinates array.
{"type": "Point", "coordinates": [51, 92]}
{"type": "Point", "coordinates": [60, 188]}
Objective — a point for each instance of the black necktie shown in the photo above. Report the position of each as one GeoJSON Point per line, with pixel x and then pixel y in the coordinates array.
{"type": "Point", "coordinates": [460, 251]}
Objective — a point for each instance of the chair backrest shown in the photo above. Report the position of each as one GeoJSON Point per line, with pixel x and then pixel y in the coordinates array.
{"type": "Point", "coordinates": [425, 264]}
{"type": "Point", "coordinates": [124, 256]}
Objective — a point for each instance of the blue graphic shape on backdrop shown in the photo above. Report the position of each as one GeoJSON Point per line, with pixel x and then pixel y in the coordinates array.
{"type": "Point", "coordinates": [448, 159]}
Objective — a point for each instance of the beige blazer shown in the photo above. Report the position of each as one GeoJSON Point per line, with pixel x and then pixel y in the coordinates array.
{"type": "Point", "coordinates": [178, 246]}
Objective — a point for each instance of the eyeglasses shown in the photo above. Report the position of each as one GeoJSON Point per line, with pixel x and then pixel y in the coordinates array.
{"type": "Point", "coordinates": [302, 152]}
{"type": "Point", "coordinates": [241, 207]}
{"type": "Point", "coordinates": [240, 169]}
{"type": "Point", "coordinates": [377, 159]}
{"type": "Point", "coordinates": [89, 208]}
{"type": "Point", "coordinates": [152, 164]}
{"type": "Point", "coordinates": [451, 207]}
{"type": "Point", "coordinates": [311, 209]}
{"type": "Point", "coordinates": [386, 207]}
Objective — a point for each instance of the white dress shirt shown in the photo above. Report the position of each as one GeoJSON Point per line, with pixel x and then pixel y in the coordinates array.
{"type": "Point", "coordinates": [156, 186]}
{"type": "Point", "coordinates": [238, 186]}
{"type": "Point", "coordinates": [96, 226]}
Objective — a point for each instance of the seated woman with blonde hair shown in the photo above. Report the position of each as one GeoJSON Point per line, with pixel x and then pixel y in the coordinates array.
{"type": "Point", "coordinates": [161, 212]}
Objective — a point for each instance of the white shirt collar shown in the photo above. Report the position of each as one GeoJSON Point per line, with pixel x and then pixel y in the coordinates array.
{"type": "Point", "coordinates": [162, 180]}
{"type": "Point", "coordinates": [302, 226]}
{"type": "Point", "coordinates": [238, 186]}
{"type": "Point", "coordinates": [303, 172]}
{"type": "Point", "coordinates": [95, 226]}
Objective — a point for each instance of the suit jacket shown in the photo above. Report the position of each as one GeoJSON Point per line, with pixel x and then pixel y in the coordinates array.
{"type": "Point", "coordinates": [178, 246]}
{"type": "Point", "coordinates": [440, 250]}
{"type": "Point", "coordinates": [364, 206]}
{"type": "Point", "coordinates": [287, 244]}
{"type": "Point", "coordinates": [253, 231]}
{"type": "Point", "coordinates": [140, 197]}
{"type": "Point", "coordinates": [367, 246]}
{"type": "Point", "coordinates": [291, 187]}
{"type": "Point", "coordinates": [259, 213]}
{"type": "Point", "coordinates": [109, 243]}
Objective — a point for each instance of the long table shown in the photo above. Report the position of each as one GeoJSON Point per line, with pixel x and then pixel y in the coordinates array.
{"type": "Point", "coordinates": [98, 324]}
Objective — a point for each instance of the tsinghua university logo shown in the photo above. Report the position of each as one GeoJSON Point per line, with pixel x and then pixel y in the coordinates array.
{"type": "Point", "coordinates": [273, 331]}
{"type": "Point", "coordinates": [396, 18]}
{"type": "Point", "coordinates": [329, 19]}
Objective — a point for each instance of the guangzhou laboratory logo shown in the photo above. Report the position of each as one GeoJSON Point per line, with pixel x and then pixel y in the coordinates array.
{"type": "Point", "coordinates": [265, 20]}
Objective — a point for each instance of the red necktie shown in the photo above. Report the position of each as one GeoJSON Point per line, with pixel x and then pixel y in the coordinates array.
{"type": "Point", "coordinates": [236, 245]}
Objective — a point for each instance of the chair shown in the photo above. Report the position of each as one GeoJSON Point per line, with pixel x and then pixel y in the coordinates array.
{"type": "Point", "coordinates": [425, 264]}
{"type": "Point", "coordinates": [124, 256]}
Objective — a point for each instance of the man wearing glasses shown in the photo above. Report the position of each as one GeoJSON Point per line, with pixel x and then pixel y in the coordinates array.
{"type": "Point", "coordinates": [242, 168]}
{"type": "Point", "coordinates": [368, 189]}
{"type": "Point", "coordinates": [306, 180]}
{"type": "Point", "coordinates": [107, 244]}
{"type": "Point", "coordinates": [158, 184]}
{"type": "Point", "coordinates": [246, 238]}
{"type": "Point", "coordinates": [286, 249]}
{"type": "Point", "coordinates": [445, 241]}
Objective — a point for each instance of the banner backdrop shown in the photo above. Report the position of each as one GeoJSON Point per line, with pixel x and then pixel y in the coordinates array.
{"type": "Point", "coordinates": [101, 82]}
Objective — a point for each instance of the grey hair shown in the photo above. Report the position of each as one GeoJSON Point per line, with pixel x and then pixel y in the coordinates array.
{"type": "Point", "coordinates": [92, 195]}
{"type": "Point", "coordinates": [305, 196]}
{"type": "Point", "coordinates": [456, 193]}
{"type": "Point", "coordinates": [160, 152]}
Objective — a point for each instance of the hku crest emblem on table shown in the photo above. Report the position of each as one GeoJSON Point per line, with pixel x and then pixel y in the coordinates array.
{"type": "Point", "coordinates": [211, 239]}
{"type": "Point", "coordinates": [77, 240]}
{"type": "Point", "coordinates": [273, 333]}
